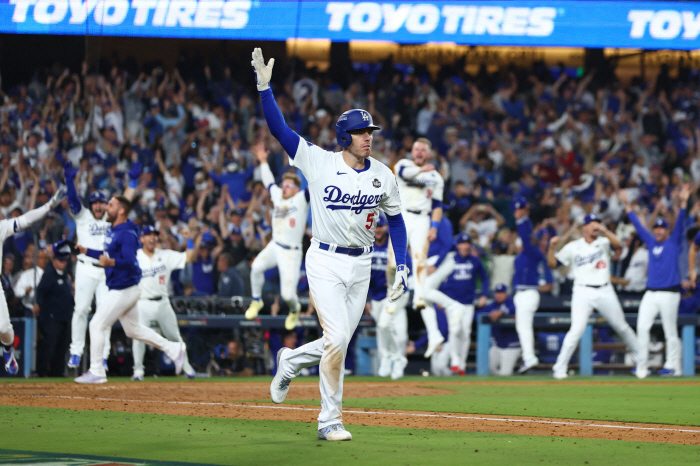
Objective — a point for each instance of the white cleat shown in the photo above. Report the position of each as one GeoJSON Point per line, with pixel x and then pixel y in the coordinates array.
{"type": "Point", "coordinates": [254, 309]}
{"type": "Point", "coordinates": [641, 373]}
{"type": "Point", "coordinates": [189, 370]}
{"type": "Point", "coordinates": [137, 378]}
{"type": "Point", "coordinates": [279, 387]}
{"type": "Point", "coordinates": [397, 369]}
{"type": "Point", "coordinates": [527, 365]}
{"type": "Point", "coordinates": [89, 377]}
{"type": "Point", "coordinates": [334, 433]}
{"type": "Point", "coordinates": [560, 375]}
{"type": "Point", "coordinates": [384, 367]}
{"type": "Point", "coordinates": [433, 345]}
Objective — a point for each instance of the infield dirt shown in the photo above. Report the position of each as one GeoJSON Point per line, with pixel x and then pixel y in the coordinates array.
{"type": "Point", "coordinates": [228, 400]}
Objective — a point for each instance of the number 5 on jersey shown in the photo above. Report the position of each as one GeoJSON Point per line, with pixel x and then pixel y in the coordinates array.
{"type": "Point", "coordinates": [370, 220]}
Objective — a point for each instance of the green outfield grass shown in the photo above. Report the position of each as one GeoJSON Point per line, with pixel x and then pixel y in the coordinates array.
{"type": "Point", "coordinates": [242, 442]}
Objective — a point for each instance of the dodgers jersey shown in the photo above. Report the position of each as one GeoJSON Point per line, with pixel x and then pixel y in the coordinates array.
{"type": "Point", "coordinates": [501, 336]}
{"type": "Point", "coordinates": [156, 270]}
{"type": "Point", "coordinates": [418, 192]}
{"type": "Point", "coordinates": [90, 232]}
{"type": "Point", "coordinates": [289, 215]}
{"type": "Point", "coordinates": [663, 257]}
{"type": "Point", "coordinates": [460, 285]}
{"type": "Point", "coordinates": [345, 203]}
{"type": "Point", "coordinates": [590, 262]}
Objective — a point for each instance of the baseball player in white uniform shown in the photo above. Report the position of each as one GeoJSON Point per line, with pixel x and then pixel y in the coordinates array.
{"type": "Point", "coordinates": [284, 251]}
{"type": "Point", "coordinates": [421, 188]}
{"type": "Point", "coordinates": [90, 281]}
{"type": "Point", "coordinates": [154, 305]}
{"type": "Point", "coordinates": [347, 191]}
{"type": "Point", "coordinates": [9, 227]}
{"type": "Point", "coordinates": [589, 259]}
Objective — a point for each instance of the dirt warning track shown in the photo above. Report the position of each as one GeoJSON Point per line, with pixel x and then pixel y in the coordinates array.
{"type": "Point", "coordinates": [225, 400]}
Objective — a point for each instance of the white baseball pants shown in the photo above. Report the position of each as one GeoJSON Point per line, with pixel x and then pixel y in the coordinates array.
{"type": "Point", "coordinates": [121, 305]}
{"type": "Point", "coordinates": [392, 328]}
{"type": "Point", "coordinates": [418, 227]}
{"type": "Point", "coordinates": [288, 261]}
{"type": "Point", "coordinates": [502, 361]}
{"type": "Point", "coordinates": [338, 285]}
{"type": "Point", "coordinates": [584, 300]}
{"type": "Point", "coordinates": [440, 360]}
{"type": "Point", "coordinates": [161, 313]}
{"type": "Point", "coordinates": [655, 303]}
{"type": "Point", "coordinates": [432, 282]}
{"type": "Point", "coordinates": [89, 283]}
{"type": "Point", "coordinates": [526, 304]}
{"type": "Point", "coordinates": [7, 333]}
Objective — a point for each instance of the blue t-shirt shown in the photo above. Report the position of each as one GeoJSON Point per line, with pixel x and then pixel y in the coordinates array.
{"type": "Point", "coordinates": [203, 275]}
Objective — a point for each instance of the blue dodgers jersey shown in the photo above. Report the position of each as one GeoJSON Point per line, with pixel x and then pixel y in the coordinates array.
{"type": "Point", "coordinates": [121, 244]}
{"type": "Point", "coordinates": [527, 263]}
{"type": "Point", "coordinates": [377, 281]}
{"type": "Point", "coordinates": [663, 257]}
{"type": "Point", "coordinates": [203, 276]}
{"type": "Point", "coordinates": [460, 285]}
{"type": "Point", "coordinates": [503, 337]}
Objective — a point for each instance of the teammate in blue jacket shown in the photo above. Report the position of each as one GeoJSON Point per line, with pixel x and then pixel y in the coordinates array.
{"type": "Point", "coordinates": [456, 278]}
{"type": "Point", "coordinates": [505, 345]}
{"type": "Point", "coordinates": [123, 276]}
{"type": "Point", "coordinates": [526, 283]}
{"type": "Point", "coordinates": [437, 251]}
{"type": "Point", "coordinates": [663, 293]}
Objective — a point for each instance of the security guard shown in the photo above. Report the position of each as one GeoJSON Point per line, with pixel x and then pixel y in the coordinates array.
{"type": "Point", "coordinates": [54, 298]}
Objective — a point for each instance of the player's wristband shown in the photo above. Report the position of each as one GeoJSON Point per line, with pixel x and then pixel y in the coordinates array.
{"type": "Point", "coordinates": [434, 225]}
{"type": "Point", "coordinates": [190, 244]}
{"type": "Point", "coordinates": [133, 183]}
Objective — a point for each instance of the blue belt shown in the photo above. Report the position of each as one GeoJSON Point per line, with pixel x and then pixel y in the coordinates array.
{"type": "Point", "coordinates": [284, 246]}
{"type": "Point", "coordinates": [417, 212]}
{"type": "Point", "coordinates": [346, 251]}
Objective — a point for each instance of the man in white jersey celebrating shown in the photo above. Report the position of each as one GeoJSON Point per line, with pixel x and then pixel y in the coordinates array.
{"type": "Point", "coordinates": [8, 228]}
{"type": "Point", "coordinates": [284, 251]}
{"type": "Point", "coordinates": [347, 191]}
{"type": "Point", "coordinates": [154, 305]}
{"type": "Point", "coordinates": [589, 258]}
{"type": "Point", "coordinates": [90, 281]}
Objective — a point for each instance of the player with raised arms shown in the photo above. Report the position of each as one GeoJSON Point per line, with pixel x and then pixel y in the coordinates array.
{"type": "Point", "coordinates": [589, 259]}
{"type": "Point", "coordinates": [663, 294]}
{"type": "Point", "coordinates": [9, 227]}
{"type": "Point", "coordinates": [284, 251]}
{"type": "Point", "coordinates": [347, 191]}
{"type": "Point", "coordinates": [90, 280]}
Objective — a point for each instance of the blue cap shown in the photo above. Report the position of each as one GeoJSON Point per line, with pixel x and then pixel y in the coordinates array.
{"type": "Point", "coordinates": [501, 288]}
{"type": "Point", "coordinates": [236, 211]}
{"type": "Point", "coordinates": [541, 233]}
{"type": "Point", "coordinates": [62, 249]}
{"type": "Point", "coordinates": [661, 223]}
{"type": "Point", "coordinates": [148, 229]}
{"type": "Point", "coordinates": [382, 220]}
{"type": "Point", "coordinates": [462, 238]}
{"type": "Point", "coordinates": [97, 196]}
{"type": "Point", "coordinates": [519, 202]}
{"type": "Point", "coordinates": [590, 218]}
{"type": "Point", "coordinates": [235, 230]}
{"type": "Point", "coordinates": [208, 239]}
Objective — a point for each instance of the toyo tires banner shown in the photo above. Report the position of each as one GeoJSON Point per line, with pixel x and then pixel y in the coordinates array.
{"type": "Point", "coordinates": [651, 25]}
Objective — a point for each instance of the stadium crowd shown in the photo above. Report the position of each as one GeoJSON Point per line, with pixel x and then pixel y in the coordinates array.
{"type": "Point", "coordinates": [566, 142]}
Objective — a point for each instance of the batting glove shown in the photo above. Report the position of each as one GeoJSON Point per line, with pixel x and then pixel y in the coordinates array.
{"type": "Point", "coordinates": [58, 197]}
{"type": "Point", "coordinates": [263, 73]}
{"type": "Point", "coordinates": [399, 283]}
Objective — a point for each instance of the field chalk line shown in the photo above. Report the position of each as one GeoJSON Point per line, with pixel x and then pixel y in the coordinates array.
{"type": "Point", "coordinates": [349, 411]}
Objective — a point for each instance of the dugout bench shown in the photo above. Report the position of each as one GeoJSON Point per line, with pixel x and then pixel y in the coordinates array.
{"type": "Point", "coordinates": [561, 320]}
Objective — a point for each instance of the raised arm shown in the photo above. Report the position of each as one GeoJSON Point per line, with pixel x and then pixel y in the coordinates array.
{"type": "Point", "coordinates": [615, 242]}
{"type": "Point", "coordinates": [692, 258]}
{"type": "Point", "coordinates": [24, 221]}
{"type": "Point", "coordinates": [679, 227]}
{"type": "Point", "coordinates": [642, 231]}
{"type": "Point", "coordinates": [275, 121]}
{"type": "Point", "coordinates": [552, 262]}
{"type": "Point", "coordinates": [73, 198]}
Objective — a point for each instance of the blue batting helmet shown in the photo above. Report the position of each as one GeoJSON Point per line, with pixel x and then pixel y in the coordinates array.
{"type": "Point", "coordinates": [349, 121]}
{"type": "Point", "coordinates": [98, 196]}
{"type": "Point", "coordinates": [148, 229]}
